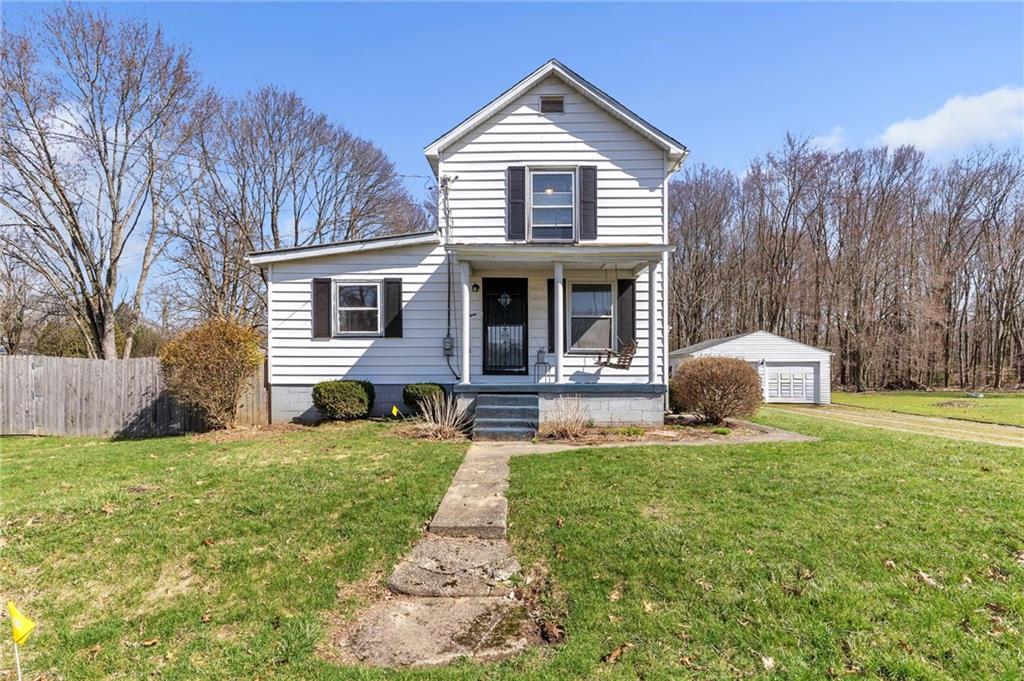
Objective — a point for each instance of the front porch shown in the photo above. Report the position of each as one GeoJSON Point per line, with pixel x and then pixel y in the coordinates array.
{"type": "Point", "coordinates": [536, 323]}
{"type": "Point", "coordinates": [536, 315]}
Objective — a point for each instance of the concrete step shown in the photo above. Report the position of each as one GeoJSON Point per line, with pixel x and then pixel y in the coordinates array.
{"type": "Point", "coordinates": [451, 567]}
{"type": "Point", "coordinates": [503, 422]}
{"type": "Point", "coordinates": [491, 411]}
{"type": "Point", "coordinates": [506, 400]}
{"type": "Point", "coordinates": [503, 433]}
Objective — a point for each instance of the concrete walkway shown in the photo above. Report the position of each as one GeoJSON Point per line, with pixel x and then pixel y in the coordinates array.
{"type": "Point", "coordinates": [451, 597]}
{"type": "Point", "coordinates": [952, 429]}
{"type": "Point", "coordinates": [452, 594]}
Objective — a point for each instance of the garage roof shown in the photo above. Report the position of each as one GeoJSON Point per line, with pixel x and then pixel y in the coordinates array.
{"type": "Point", "coordinates": [756, 336]}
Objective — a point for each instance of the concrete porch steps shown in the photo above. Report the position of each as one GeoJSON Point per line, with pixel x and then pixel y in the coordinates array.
{"type": "Point", "coordinates": [506, 416]}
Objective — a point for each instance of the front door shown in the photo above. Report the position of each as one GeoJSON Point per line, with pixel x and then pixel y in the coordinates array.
{"type": "Point", "coordinates": [505, 337]}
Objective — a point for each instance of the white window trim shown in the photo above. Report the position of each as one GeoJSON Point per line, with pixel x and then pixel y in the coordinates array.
{"type": "Point", "coordinates": [569, 350]}
{"type": "Point", "coordinates": [335, 310]}
{"type": "Point", "coordinates": [553, 170]}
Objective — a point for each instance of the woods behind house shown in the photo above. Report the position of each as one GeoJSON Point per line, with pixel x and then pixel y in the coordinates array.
{"type": "Point", "coordinates": [911, 272]}
{"type": "Point", "coordinates": [130, 193]}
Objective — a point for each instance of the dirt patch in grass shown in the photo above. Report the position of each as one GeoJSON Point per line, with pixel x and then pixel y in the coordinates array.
{"type": "Point", "coordinates": [956, 404]}
{"type": "Point", "coordinates": [677, 428]}
{"type": "Point", "coordinates": [176, 579]}
{"type": "Point", "coordinates": [241, 433]}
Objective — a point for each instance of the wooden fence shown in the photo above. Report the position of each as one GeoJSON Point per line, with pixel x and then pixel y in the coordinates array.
{"type": "Point", "coordinates": [124, 398]}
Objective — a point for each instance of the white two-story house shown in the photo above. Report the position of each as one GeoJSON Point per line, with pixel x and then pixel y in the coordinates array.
{"type": "Point", "coordinates": [547, 276]}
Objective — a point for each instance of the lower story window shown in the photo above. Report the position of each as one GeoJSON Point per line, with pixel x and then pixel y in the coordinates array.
{"type": "Point", "coordinates": [590, 317]}
{"type": "Point", "coordinates": [358, 308]}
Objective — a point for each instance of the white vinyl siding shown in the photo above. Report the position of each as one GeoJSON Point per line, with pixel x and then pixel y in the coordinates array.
{"type": "Point", "coordinates": [630, 170]}
{"type": "Point", "coordinates": [297, 359]}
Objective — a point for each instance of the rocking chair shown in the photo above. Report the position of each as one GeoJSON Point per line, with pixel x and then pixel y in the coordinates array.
{"type": "Point", "coordinates": [623, 359]}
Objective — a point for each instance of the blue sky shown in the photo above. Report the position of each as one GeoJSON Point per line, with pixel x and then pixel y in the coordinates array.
{"type": "Point", "coordinates": [726, 79]}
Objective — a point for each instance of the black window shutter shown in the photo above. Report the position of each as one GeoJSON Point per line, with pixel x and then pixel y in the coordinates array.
{"type": "Point", "coordinates": [626, 312]}
{"type": "Point", "coordinates": [321, 308]}
{"type": "Point", "coordinates": [588, 203]}
{"type": "Point", "coordinates": [392, 308]}
{"type": "Point", "coordinates": [551, 315]}
{"type": "Point", "coordinates": [515, 197]}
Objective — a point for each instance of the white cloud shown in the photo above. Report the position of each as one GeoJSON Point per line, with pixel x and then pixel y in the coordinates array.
{"type": "Point", "coordinates": [834, 141]}
{"type": "Point", "coordinates": [995, 116]}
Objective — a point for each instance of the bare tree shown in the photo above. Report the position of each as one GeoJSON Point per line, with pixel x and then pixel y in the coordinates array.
{"type": "Point", "coordinates": [268, 172]}
{"type": "Point", "coordinates": [90, 124]}
{"type": "Point", "coordinates": [912, 273]}
{"type": "Point", "coordinates": [17, 300]}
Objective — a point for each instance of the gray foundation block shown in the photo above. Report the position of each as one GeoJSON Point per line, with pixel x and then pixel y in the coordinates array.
{"type": "Point", "coordinates": [294, 403]}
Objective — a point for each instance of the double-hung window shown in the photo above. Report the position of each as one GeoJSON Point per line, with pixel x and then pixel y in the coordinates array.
{"type": "Point", "coordinates": [590, 317]}
{"type": "Point", "coordinates": [552, 205]}
{"type": "Point", "coordinates": [357, 307]}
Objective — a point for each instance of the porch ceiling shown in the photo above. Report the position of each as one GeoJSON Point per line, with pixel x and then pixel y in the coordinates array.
{"type": "Point", "coordinates": [543, 256]}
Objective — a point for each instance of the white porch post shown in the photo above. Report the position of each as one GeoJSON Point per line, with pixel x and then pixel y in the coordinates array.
{"type": "Point", "coordinates": [559, 322]}
{"type": "Point", "coordinates": [464, 327]}
{"type": "Point", "coordinates": [652, 319]}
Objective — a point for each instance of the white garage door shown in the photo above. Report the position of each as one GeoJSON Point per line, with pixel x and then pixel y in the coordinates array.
{"type": "Point", "coordinates": [791, 382]}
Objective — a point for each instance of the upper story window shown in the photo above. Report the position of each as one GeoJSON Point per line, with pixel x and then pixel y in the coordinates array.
{"type": "Point", "coordinates": [358, 308]}
{"type": "Point", "coordinates": [552, 104]}
{"type": "Point", "coordinates": [552, 205]}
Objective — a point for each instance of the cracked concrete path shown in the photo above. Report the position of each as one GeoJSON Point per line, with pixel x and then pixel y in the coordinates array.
{"type": "Point", "coordinates": [453, 597]}
{"type": "Point", "coordinates": [953, 429]}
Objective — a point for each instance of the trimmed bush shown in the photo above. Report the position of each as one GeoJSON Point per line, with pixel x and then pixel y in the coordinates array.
{"type": "Point", "coordinates": [415, 395]}
{"type": "Point", "coordinates": [207, 367]}
{"type": "Point", "coordinates": [343, 400]}
{"type": "Point", "coordinates": [673, 396]}
{"type": "Point", "coordinates": [716, 388]}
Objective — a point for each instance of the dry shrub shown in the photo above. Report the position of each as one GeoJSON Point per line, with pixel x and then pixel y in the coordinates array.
{"type": "Point", "coordinates": [568, 419]}
{"type": "Point", "coordinates": [208, 366]}
{"type": "Point", "coordinates": [716, 388]}
{"type": "Point", "coordinates": [441, 418]}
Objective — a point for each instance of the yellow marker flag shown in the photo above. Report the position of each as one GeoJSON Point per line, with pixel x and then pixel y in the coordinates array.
{"type": "Point", "coordinates": [394, 410]}
{"type": "Point", "coordinates": [21, 626]}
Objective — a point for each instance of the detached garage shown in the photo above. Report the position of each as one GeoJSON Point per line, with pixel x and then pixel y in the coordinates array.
{"type": "Point", "coordinates": [790, 371]}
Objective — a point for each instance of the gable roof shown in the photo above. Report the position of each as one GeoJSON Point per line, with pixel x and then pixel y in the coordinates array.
{"type": "Point", "coordinates": [676, 150]}
{"type": "Point", "coordinates": [715, 342]}
{"type": "Point", "coordinates": [373, 243]}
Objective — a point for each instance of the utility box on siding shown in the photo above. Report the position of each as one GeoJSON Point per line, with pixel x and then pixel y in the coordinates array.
{"type": "Point", "coordinates": [790, 371]}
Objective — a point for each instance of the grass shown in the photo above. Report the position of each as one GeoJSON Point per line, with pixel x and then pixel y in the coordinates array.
{"type": "Point", "coordinates": [728, 561]}
{"type": "Point", "coordinates": [678, 562]}
{"type": "Point", "coordinates": [1005, 408]}
{"type": "Point", "coordinates": [187, 558]}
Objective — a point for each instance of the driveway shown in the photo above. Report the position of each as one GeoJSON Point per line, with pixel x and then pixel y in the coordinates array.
{"type": "Point", "coordinates": [953, 429]}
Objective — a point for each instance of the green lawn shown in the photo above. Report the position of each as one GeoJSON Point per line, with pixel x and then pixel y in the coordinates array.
{"type": "Point", "coordinates": [113, 545]}
{"type": "Point", "coordinates": [706, 561]}
{"type": "Point", "coordinates": [1006, 408]}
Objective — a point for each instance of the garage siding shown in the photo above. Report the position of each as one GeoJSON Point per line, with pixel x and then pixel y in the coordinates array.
{"type": "Point", "coordinates": [774, 351]}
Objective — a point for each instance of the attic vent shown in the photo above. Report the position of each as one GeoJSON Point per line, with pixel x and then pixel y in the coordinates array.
{"type": "Point", "coordinates": [552, 104]}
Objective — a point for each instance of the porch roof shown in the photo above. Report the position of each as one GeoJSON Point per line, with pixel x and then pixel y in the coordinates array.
{"type": "Point", "coordinates": [545, 255]}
